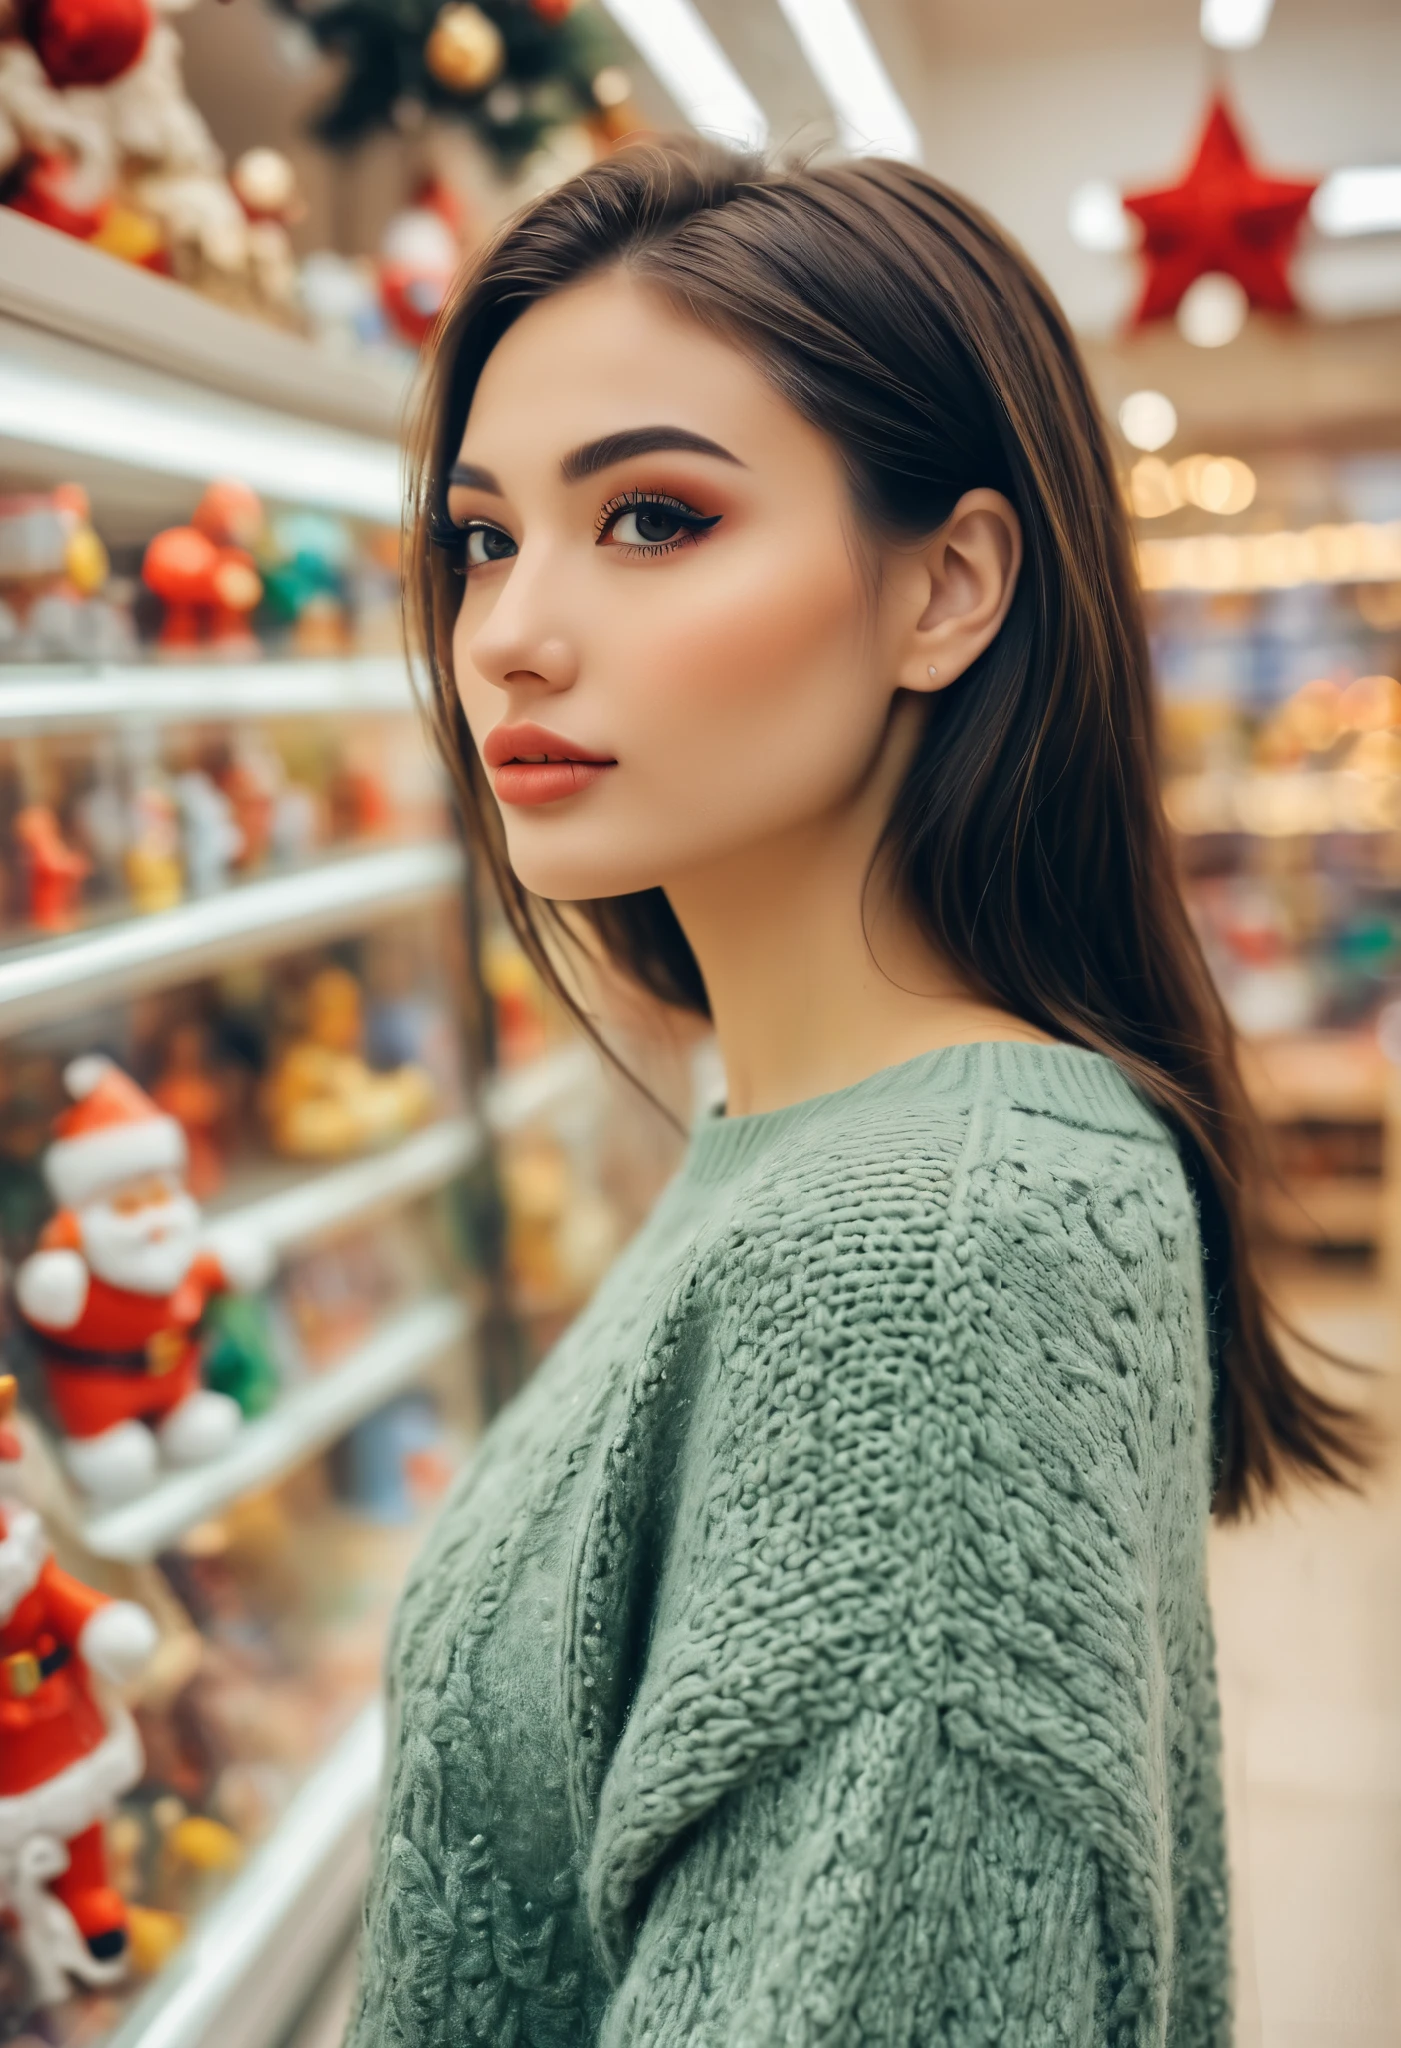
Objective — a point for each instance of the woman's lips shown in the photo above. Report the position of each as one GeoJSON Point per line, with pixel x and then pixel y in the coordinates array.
{"type": "Point", "coordinates": [535, 766]}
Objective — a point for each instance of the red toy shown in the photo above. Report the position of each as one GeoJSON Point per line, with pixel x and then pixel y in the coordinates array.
{"type": "Point", "coordinates": [190, 1092]}
{"type": "Point", "coordinates": [205, 574]}
{"type": "Point", "coordinates": [67, 1752]}
{"type": "Point", "coordinates": [54, 871]}
{"type": "Point", "coordinates": [119, 1283]}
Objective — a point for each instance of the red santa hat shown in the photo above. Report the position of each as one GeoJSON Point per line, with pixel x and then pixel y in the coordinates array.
{"type": "Point", "coordinates": [113, 1133]}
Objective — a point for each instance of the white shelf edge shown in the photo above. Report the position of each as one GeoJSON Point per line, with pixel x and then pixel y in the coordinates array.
{"type": "Point", "coordinates": [51, 282]}
{"type": "Point", "coordinates": [251, 1959]}
{"type": "Point", "coordinates": [327, 1201]}
{"type": "Point", "coordinates": [305, 1420]}
{"type": "Point", "coordinates": [55, 977]}
{"type": "Point", "coordinates": [111, 695]}
{"type": "Point", "coordinates": [516, 1098]}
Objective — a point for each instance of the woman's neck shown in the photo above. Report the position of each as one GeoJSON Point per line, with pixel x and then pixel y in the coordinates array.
{"type": "Point", "coordinates": [806, 996]}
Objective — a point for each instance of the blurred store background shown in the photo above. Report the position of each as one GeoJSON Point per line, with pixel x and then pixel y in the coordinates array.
{"type": "Point", "coordinates": [228, 865]}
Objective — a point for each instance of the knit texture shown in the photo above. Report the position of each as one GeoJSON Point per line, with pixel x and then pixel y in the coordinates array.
{"type": "Point", "coordinates": [816, 1654]}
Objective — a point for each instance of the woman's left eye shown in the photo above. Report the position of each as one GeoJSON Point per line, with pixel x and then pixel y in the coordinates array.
{"type": "Point", "coordinates": [652, 525]}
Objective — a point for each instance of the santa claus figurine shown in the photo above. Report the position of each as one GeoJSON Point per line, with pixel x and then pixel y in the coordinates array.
{"type": "Point", "coordinates": [67, 1751]}
{"type": "Point", "coordinates": [117, 1287]}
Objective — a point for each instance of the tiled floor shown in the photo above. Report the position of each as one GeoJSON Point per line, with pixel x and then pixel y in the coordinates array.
{"type": "Point", "coordinates": [1308, 1602]}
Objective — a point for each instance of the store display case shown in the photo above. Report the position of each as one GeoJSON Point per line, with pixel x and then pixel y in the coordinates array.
{"type": "Point", "coordinates": [228, 869]}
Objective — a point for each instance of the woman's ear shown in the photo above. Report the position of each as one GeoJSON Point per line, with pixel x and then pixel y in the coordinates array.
{"type": "Point", "coordinates": [971, 565]}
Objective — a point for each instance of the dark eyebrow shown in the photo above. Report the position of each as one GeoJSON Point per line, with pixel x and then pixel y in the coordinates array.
{"type": "Point", "coordinates": [597, 455]}
{"type": "Point", "coordinates": [477, 479]}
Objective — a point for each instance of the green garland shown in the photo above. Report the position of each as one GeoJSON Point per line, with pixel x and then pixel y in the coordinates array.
{"type": "Point", "coordinates": [545, 82]}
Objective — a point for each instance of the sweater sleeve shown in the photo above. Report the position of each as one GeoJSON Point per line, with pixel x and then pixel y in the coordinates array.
{"type": "Point", "coordinates": [872, 1887]}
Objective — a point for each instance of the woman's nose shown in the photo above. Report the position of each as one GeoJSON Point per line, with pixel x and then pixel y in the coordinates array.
{"type": "Point", "coordinates": [518, 643]}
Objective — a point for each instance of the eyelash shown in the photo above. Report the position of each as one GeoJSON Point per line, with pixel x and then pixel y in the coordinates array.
{"type": "Point", "coordinates": [447, 534]}
{"type": "Point", "coordinates": [693, 523]}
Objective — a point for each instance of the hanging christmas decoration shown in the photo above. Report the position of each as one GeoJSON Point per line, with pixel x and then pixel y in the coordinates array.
{"type": "Point", "coordinates": [87, 42]}
{"type": "Point", "coordinates": [1224, 217]}
{"type": "Point", "coordinates": [514, 71]}
{"type": "Point", "coordinates": [465, 50]}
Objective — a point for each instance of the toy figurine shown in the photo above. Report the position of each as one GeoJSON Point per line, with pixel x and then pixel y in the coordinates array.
{"type": "Point", "coordinates": [197, 1100]}
{"type": "Point", "coordinates": [53, 573]}
{"type": "Point", "coordinates": [116, 1290]}
{"type": "Point", "coordinates": [154, 873]}
{"type": "Point", "coordinates": [251, 780]}
{"type": "Point", "coordinates": [208, 590]}
{"type": "Point", "coordinates": [54, 871]}
{"type": "Point", "coordinates": [68, 1750]}
{"type": "Point", "coordinates": [322, 1099]}
{"type": "Point", "coordinates": [213, 836]}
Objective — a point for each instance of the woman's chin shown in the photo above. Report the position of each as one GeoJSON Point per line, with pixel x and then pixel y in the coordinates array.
{"type": "Point", "coordinates": [559, 879]}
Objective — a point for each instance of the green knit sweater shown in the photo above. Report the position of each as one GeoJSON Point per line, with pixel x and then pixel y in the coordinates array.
{"type": "Point", "coordinates": [817, 1651]}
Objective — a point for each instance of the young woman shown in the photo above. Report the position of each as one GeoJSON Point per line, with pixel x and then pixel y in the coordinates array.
{"type": "Point", "coordinates": [817, 1651]}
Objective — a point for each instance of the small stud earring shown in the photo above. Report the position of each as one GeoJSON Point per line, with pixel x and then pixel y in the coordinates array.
{"type": "Point", "coordinates": [933, 671]}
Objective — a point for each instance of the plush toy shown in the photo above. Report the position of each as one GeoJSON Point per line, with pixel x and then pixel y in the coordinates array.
{"type": "Point", "coordinates": [117, 1287]}
{"type": "Point", "coordinates": [419, 255]}
{"type": "Point", "coordinates": [322, 1099]}
{"type": "Point", "coordinates": [68, 1750]}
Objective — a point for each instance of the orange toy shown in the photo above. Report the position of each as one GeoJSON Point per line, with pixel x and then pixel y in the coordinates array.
{"type": "Point", "coordinates": [208, 587]}
{"type": "Point", "coordinates": [54, 871]}
{"type": "Point", "coordinates": [66, 1754]}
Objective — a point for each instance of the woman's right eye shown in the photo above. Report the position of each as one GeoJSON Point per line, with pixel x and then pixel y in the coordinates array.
{"type": "Point", "coordinates": [483, 544]}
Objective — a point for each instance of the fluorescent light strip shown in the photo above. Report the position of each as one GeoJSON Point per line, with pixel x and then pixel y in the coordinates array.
{"type": "Point", "coordinates": [1235, 24]}
{"type": "Point", "coordinates": [678, 46]}
{"type": "Point", "coordinates": [1365, 201]}
{"type": "Point", "coordinates": [838, 46]}
{"type": "Point", "coordinates": [287, 459]}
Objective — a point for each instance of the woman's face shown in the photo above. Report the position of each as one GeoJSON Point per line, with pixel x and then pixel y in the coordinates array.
{"type": "Point", "coordinates": [662, 598]}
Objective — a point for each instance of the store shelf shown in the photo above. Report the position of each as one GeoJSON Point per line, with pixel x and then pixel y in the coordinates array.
{"type": "Point", "coordinates": [56, 977]}
{"type": "Point", "coordinates": [514, 1099]}
{"type": "Point", "coordinates": [312, 1206]}
{"type": "Point", "coordinates": [64, 404]}
{"type": "Point", "coordinates": [34, 700]}
{"type": "Point", "coordinates": [51, 281]}
{"type": "Point", "coordinates": [304, 1421]}
{"type": "Point", "coordinates": [253, 1958]}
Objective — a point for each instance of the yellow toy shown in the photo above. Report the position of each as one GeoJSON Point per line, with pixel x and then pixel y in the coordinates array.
{"type": "Point", "coordinates": [322, 1099]}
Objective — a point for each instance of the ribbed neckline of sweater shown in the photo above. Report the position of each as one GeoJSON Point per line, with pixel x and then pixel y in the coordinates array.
{"type": "Point", "coordinates": [1061, 1081]}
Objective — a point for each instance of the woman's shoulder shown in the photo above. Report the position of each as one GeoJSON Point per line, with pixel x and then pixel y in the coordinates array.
{"type": "Point", "coordinates": [992, 1136]}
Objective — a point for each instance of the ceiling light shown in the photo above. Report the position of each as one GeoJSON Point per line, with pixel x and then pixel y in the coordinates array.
{"type": "Point", "coordinates": [1148, 419]}
{"type": "Point", "coordinates": [837, 44]}
{"type": "Point", "coordinates": [294, 460]}
{"type": "Point", "coordinates": [1366, 201]}
{"type": "Point", "coordinates": [679, 47]}
{"type": "Point", "coordinates": [1212, 310]}
{"type": "Point", "coordinates": [1098, 220]}
{"type": "Point", "coordinates": [1153, 490]}
{"type": "Point", "coordinates": [1215, 483]}
{"type": "Point", "coordinates": [1234, 24]}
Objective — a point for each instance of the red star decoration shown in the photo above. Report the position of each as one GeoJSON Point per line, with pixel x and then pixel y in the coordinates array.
{"type": "Point", "coordinates": [1225, 215]}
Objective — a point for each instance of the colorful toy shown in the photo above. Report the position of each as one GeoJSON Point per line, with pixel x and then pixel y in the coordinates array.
{"type": "Point", "coordinates": [54, 872]}
{"type": "Point", "coordinates": [209, 586]}
{"type": "Point", "coordinates": [154, 872]}
{"type": "Point", "coordinates": [322, 1099]}
{"type": "Point", "coordinates": [53, 572]}
{"type": "Point", "coordinates": [213, 836]}
{"type": "Point", "coordinates": [117, 1288]}
{"type": "Point", "coordinates": [67, 1752]}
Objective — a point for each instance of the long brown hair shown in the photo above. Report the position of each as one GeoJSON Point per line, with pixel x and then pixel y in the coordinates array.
{"type": "Point", "coordinates": [1029, 836]}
